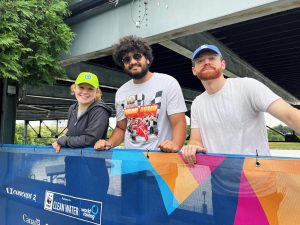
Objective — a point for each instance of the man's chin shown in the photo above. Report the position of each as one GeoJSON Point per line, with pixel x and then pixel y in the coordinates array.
{"type": "Point", "coordinates": [137, 75]}
{"type": "Point", "coordinates": [208, 76]}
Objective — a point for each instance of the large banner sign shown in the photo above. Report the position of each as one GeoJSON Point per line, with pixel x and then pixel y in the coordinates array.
{"type": "Point", "coordinates": [126, 186]}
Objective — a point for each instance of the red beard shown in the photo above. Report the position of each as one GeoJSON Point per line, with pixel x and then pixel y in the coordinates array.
{"type": "Point", "coordinates": [213, 73]}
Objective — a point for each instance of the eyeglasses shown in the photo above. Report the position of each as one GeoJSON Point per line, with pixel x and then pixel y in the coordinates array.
{"type": "Point", "coordinates": [201, 60]}
{"type": "Point", "coordinates": [136, 56]}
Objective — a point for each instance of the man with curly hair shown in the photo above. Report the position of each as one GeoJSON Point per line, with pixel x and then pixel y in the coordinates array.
{"type": "Point", "coordinates": [150, 108]}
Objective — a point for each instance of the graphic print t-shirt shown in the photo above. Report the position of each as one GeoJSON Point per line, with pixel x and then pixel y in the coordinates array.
{"type": "Point", "coordinates": [147, 107]}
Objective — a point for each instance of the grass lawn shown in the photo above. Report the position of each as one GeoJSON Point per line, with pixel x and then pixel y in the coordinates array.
{"type": "Point", "coordinates": [284, 145]}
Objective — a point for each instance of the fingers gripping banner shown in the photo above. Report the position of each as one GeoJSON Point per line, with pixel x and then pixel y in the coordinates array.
{"type": "Point", "coordinates": [135, 187]}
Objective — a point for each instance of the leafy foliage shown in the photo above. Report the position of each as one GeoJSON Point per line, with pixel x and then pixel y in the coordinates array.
{"type": "Point", "coordinates": [273, 136]}
{"type": "Point", "coordinates": [32, 37]}
{"type": "Point", "coordinates": [283, 129]}
{"type": "Point", "coordinates": [47, 136]}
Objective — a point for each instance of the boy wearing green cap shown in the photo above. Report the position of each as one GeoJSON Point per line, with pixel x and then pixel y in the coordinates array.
{"type": "Point", "coordinates": [88, 118]}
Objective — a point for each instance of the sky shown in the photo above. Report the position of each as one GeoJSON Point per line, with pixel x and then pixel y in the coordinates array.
{"type": "Point", "coordinates": [271, 121]}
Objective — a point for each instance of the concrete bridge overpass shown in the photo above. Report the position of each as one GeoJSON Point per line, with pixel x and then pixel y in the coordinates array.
{"type": "Point", "coordinates": [259, 39]}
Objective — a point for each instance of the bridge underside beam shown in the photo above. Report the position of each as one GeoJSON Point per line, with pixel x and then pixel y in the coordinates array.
{"type": "Point", "coordinates": [235, 66]}
{"type": "Point", "coordinates": [92, 40]}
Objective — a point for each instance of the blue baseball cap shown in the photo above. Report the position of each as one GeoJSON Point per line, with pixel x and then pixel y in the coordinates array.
{"type": "Point", "coordinates": [205, 47]}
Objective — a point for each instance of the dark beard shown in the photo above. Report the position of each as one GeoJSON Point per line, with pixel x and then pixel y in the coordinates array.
{"type": "Point", "coordinates": [140, 75]}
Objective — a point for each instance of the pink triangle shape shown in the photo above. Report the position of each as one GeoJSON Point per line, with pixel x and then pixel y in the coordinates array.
{"type": "Point", "coordinates": [205, 165]}
{"type": "Point", "coordinates": [249, 210]}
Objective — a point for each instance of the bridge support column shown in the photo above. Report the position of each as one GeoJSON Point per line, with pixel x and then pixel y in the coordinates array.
{"type": "Point", "coordinates": [8, 107]}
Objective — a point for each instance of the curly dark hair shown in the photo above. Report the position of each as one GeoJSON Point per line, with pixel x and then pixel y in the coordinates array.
{"type": "Point", "coordinates": [131, 43]}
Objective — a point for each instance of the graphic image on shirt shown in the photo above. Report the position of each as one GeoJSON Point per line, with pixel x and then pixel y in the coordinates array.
{"type": "Point", "coordinates": [142, 116]}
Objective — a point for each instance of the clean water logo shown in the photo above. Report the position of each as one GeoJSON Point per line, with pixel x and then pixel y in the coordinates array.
{"type": "Point", "coordinates": [78, 208]}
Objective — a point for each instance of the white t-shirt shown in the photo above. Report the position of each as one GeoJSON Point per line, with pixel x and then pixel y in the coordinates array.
{"type": "Point", "coordinates": [147, 107]}
{"type": "Point", "coordinates": [231, 121]}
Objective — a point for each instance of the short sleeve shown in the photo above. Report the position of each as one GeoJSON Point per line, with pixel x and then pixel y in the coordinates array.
{"type": "Point", "coordinates": [259, 95]}
{"type": "Point", "coordinates": [119, 108]}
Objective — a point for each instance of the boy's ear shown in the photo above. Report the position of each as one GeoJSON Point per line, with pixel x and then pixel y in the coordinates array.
{"type": "Point", "coordinates": [193, 71]}
{"type": "Point", "coordinates": [223, 64]}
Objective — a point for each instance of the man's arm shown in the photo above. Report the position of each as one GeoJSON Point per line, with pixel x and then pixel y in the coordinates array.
{"type": "Point", "coordinates": [116, 138]}
{"type": "Point", "coordinates": [178, 124]}
{"type": "Point", "coordinates": [195, 145]}
{"type": "Point", "coordinates": [195, 138]}
{"type": "Point", "coordinates": [286, 113]}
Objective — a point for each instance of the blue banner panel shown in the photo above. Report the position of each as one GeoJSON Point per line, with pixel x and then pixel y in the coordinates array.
{"type": "Point", "coordinates": [126, 186]}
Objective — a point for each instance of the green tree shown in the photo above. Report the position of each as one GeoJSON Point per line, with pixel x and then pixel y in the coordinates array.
{"type": "Point", "coordinates": [283, 129]}
{"type": "Point", "coordinates": [46, 136]}
{"type": "Point", "coordinates": [32, 37]}
{"type": "Point", "coordinates": [273, 136]}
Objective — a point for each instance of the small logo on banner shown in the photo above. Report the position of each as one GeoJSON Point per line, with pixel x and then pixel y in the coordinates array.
{"type": "Point", "coordinates": [90, 212]}
{"type": "Point", "coordinates": [78, 208]}
{"type": "Point", "coordinates": [48, 201]}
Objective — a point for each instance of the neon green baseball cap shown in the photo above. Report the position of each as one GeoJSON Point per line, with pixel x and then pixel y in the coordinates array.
{"type": "Point", "coordinates": [88, 78]}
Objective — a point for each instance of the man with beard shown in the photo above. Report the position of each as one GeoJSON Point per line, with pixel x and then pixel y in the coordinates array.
{"type": "Point", "coordinates": [149, 101]}
{"type": "Point", "coordinates": [229, 116]}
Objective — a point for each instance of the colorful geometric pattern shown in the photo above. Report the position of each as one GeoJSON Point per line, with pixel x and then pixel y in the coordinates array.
{"type": "Point", "coordinates": [241, 192]}
{"type": "Point", "coordinates": [157, 188]}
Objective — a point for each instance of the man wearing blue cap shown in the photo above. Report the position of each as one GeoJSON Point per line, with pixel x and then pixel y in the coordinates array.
{"type": "Point", "coordinates": [229, 116]}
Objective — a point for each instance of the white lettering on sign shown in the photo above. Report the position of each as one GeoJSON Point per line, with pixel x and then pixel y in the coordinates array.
{"type": "Point", "coordinates": [22, 194]}
{"type": "Point", "coordinates": [31, 221]}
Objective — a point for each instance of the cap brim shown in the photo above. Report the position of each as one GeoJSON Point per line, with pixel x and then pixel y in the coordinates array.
{"type": "Point", "coordinates": [197, 53]}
